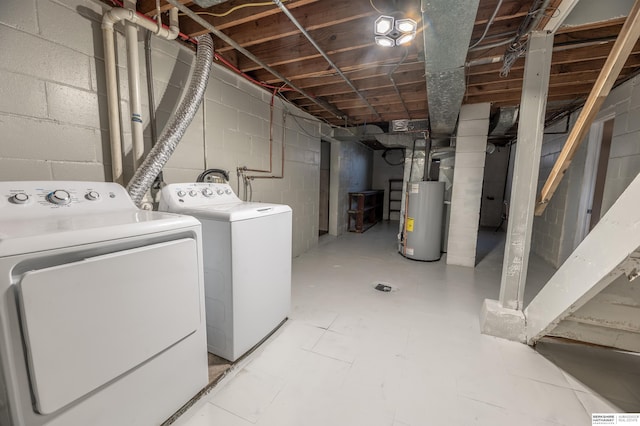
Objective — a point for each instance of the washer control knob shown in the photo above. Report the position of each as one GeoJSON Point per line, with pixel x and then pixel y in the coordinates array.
{"type": "Point", "coordinates": [92, 195]}
{"type": "Point", "coordinates": [19, 198]}
{"type": "Point", "coordinates": [181, 193]}
{"type": "Point", "coordinates": [220, 191]}
{"type": "Point", "coordinates": [193, 193]}
{"type": "Point", "coordinates": [207, 192]}
{"type": "Point", "coordinates": [59, 196]}
{"type": "Point", "coordinates": [227, 191]}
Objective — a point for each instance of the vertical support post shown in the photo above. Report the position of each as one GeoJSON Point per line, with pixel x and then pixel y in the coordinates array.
{"type": "Point", "coordinates": [525, 179]}
{"type": "Point", "coordinates": [504, 318]}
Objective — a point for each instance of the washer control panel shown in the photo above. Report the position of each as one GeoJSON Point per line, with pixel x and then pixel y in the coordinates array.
{"type": "Point", "coordinates": [27, 198]}
{"type": "Point", "coordinates": [196, 194]}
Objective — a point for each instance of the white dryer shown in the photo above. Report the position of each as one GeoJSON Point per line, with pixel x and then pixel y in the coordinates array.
{"type": "Point", "coordinates": [247, 263]}
{"type": "Point", "coordinates": [101, 307]}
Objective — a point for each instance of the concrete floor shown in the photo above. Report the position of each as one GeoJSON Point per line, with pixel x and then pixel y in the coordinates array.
{"type": "Point", "coordinates": [352, 355]}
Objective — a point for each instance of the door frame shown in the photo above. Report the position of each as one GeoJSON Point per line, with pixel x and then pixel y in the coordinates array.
{"type": "Point", "coordinates": [589, 178]}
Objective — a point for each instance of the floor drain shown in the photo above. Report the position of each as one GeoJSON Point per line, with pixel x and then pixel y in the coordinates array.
{"type": "Point", "coordinates": [383, 287]}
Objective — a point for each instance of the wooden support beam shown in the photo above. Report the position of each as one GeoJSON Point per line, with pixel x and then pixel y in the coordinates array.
{"type": "Point", "coordinates": [619, 53]}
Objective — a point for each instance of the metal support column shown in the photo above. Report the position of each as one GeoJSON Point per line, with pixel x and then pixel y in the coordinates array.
{"type": "Point", "coordinates": [504, 317]}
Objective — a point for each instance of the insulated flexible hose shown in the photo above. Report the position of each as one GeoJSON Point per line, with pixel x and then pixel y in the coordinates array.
{"type": "Point", "coordinates": [177, 126]}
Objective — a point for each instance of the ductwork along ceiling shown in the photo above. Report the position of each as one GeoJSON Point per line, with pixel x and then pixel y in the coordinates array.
{"type": "Point", "coordinates": [321, 55]}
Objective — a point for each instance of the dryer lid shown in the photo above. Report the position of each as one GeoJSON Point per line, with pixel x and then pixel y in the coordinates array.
{"type": "Point", "coordinates": [37, 216]}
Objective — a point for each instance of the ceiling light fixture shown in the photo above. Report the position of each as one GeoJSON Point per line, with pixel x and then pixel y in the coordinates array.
{"type": "Point", "coordinates": [391, 32]}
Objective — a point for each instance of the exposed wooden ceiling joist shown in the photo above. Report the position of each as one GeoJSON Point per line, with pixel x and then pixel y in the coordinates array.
{"type": "Point", "coordinates": [344, 31]}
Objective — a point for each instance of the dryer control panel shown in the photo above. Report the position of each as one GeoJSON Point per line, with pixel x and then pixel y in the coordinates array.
{"type": "Point", "coordinates": [30, 198]}
{"type": "Point", "coordinates": [197, 194]}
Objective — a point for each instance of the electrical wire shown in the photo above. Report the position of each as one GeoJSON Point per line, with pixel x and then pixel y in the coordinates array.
{"type": "Point", "coordinates": [233, 9]}
{"type": "Point", "coordinates": [395, 86]}
{"type": "Point", "coordinates": [375, 8]}
{"type": "Point", "coordinates": [489, 23]}
{"type": "Point", "coordinates": [302, 129]}
{"type": "Point", "coordinates": [518, 47]}
{"type": "Point", "coordinates": [248, 77]}
{"type": "Point", "coordinates": [158, 15]}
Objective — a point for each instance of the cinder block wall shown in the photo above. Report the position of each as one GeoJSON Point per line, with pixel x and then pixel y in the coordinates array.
{"type": "Point", "coordinates": [548, 230]}
{"type": "Point", "coordinates": [471, 145]}
{"type": "Point", "coordinates": [354, 171]}
{"type": "Point", "coordinates": [382, 172]}
{"type": "Point", "coordinates": [53, 113]}
{"type": "Point", "coordinates": [554, 232]}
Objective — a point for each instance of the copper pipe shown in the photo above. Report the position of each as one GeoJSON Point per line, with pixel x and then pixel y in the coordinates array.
{"type": "Point", "coordinates": [273, 96]}
{"type": "Point", "coordinates": [284, 132]}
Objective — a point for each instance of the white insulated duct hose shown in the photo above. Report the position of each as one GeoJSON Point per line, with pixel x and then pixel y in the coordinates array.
{"type": "Point", "coordinates": [177, 126]}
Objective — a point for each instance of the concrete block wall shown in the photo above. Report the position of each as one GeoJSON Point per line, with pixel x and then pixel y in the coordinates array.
{"type": "Point", "coordinates": [350, 170]}
{"type": "Point", "coordinates": [624, 158]}
{"type": "Point", "coordinates": [554, 232]}
{"type": "Point", "coordinates": [53, 113]}
{"type": "Point", "coordinates": [471, 144]}
{"type": "Point", "coordinates": [352, 164]}
{"type": "Point", "coordinates": [382, 172]}
{"type": "Point", "coordinates": [236, 133]}
{"type": "Point", "coordinates": [495, 175]}
{"type": "Point", "coordinates": [548, 229]}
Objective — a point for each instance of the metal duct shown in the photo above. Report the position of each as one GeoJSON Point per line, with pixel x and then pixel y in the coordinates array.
{"type": "Point", "coordinates": [173, 132]}
{"type": "Point", "coordinates": [410, 126]}
{"type": "Point", "coordinates": [404, 140]}
{"type": "Point", "coordinates": [208, 3]}
{"type": "Point", "coordinates": [503, 120]}
{"type": "Point", "coordinates": [448, 25]}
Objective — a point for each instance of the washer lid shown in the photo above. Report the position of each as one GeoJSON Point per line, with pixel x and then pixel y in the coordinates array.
{"type": "Point", "coordinates": [237, 211]}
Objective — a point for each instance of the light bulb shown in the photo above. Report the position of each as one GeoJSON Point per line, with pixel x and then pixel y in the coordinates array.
{"type": "Point", "coordinates": [406, 25]}
{"type": "Point", "coordinates": [383, 25]}
{"type": "Point", "coordinates": [384, 41]}
{"type": "Point", "coordinates": [405, 38]}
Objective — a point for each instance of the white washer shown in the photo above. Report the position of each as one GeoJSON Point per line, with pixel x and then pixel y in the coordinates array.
{"type": "Point", "coordinates": [247, 263]}
{"type": "Point", "coordinates": [101, 307]}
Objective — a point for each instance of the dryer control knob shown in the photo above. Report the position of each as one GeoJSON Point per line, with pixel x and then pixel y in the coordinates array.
{"type": "Point", "coordinates": [59, 196]}
{"type": "Point", "coordinates": [193, 193]}
{"type": "Point", "coordinates": [181, 193]}
{"type": "Point", "coordinates": [92, 195]}
{"type": "Point", "coordinates": [227, 191]}
{"type": "Point", "coordinates": [207, 192]}
{"type": "Point", "coordinates": [220, 191]}
{"type": "Point", "coordinates": [19, 198]}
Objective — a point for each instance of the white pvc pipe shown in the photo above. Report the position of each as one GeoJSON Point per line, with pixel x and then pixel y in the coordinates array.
{"type": "Point", "coordinates": [133, 74]}
{"type": "Point", "coordinates": [112, 102]}
{"type": "Point", "coordinates": [118, 14]}
{"type": "Point", "coordinates": [110, 18]}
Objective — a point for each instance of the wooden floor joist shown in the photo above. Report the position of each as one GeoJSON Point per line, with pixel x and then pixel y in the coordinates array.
{"type": "Point", "coordinates": [619, 53]}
